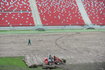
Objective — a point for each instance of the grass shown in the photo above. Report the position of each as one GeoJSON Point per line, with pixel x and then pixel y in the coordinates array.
{"type": "Point", "coordinates": [15, 63]}
{"type": "Point", "coordinates": [48, 31]}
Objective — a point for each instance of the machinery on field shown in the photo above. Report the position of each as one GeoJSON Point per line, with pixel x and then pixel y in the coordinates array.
{"type": "Point", "coordinates": [51, 62]}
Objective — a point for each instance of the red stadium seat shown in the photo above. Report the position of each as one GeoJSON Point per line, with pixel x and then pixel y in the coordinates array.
{"type": "Point", "coordinates": [52, 12]}
{"type": "Point", "coordinates": [59, 13]}
{"type": "Point", "coordinates": [14, 5]}
{"type": "Point", "coordinates": [96, 11]}
{"type": "Point", "coordinates": [16, 19]}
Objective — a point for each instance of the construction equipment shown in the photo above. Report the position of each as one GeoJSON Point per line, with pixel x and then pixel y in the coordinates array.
{"type": "Point", "coordinates": [51, 62]}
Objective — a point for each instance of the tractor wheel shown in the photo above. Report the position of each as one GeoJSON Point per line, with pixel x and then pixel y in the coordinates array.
{"type": "Point", "coordinates": [64, 61]}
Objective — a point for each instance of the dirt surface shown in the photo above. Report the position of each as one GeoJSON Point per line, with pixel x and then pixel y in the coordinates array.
{"type": "Point", "coordinates": [75, 47]}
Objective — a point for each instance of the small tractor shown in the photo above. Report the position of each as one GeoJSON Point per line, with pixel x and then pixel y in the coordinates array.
{"type": "Point", "coordinates": [53, 62]}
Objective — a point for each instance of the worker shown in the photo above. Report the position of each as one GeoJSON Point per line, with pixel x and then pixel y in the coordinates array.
{"type": "Point", "coordinates": [54, 58]}
{"type": "Point", "coordinates": [29, 42]}
{"type": "Point", "coordinates": [50, 60]}
{"type": "Point", "coordinates": [57, 60]}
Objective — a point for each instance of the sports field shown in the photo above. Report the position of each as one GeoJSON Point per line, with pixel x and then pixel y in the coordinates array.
{"type": "Point", "coordinates": [76, 46]}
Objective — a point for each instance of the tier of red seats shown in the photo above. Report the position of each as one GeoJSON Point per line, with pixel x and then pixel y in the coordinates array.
{"type": "Point", "coordinates": [95, 10]}
{"type": "Point", "coordinates": [16, 19]}
{"type": "Point", "coordinates": [52, 12]}
{"type": "Point", "coordinates": [14, 5]}
{"type": "Point", "coordinates": [59, 13]}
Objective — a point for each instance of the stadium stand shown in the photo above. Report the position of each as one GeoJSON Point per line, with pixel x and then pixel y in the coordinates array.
{"type": "Point", "coordinates": [52, 12]}
{"type": "Point", "coordinates": [59, 13]}
{"type": "Point", "coordinates": [14, 5]}
{"type": "Point", "coordinates": [95, 10]}
{"type": "Point", "coordinates": [15, 13]}
{"type": "Point", "coordinates": [16, 19]}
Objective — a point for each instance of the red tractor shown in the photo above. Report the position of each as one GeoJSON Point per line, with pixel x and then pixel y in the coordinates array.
{"type": "Point", "coordinates": [53, 62]}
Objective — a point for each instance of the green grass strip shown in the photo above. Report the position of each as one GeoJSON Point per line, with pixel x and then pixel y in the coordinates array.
{"type": "Point", "coordinates": [12, 61]}
{"type": "Point", "coordinates": [15, 63]}
{"type": "Point", "coordinates": [48, 31]}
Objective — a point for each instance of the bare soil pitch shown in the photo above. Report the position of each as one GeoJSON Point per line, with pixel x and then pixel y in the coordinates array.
{"type": "Point", "coordinates": [76, 47]}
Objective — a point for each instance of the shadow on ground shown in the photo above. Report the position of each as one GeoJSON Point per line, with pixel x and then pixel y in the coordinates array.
{"type": "Point", "coordinates": [85, 66]}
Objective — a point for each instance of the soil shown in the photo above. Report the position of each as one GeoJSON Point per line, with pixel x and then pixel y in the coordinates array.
{"type": "Point", "coordinates": [75, 47]}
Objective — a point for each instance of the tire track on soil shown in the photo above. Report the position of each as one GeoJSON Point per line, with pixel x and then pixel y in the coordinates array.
{"type": "Point", "coordinates": [63, 48]}
{"type": "Point", "coordinates": [59, 38]}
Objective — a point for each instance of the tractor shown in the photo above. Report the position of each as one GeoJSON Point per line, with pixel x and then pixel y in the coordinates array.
{"type": "Point", "coordinates": [53, 62]}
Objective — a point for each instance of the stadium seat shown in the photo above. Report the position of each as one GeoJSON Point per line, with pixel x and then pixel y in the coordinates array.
{"type": "Point", "coordinates": [16, 19]}
{"type": "Point", "coordinates": [14, 5]}
{"type": "Point", "coordinates": [95, 10]}
{"type": "Point", "coordinates": [59, 13]}
{"type": "Point", "coordinates": [52, 12]}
